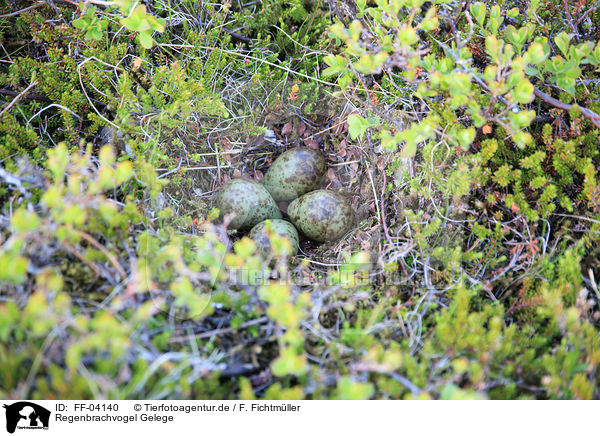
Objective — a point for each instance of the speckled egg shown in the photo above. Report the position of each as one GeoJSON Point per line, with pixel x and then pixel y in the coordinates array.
{"type": "Point", "coordinates": [322, 215]}
{"type": "Point", "coordinates": [250, 201]}
{"type": "Point", "coordinates": [295, 172]}
{"type": "Point", "coordinates": [261, 233]}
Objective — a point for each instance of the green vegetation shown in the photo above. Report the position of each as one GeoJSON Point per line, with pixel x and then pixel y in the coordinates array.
{"type": "Point", "coordinates": [464, 133]}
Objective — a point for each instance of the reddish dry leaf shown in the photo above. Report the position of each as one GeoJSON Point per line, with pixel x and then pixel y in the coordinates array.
{"type": "Point", "coordinates": [311, 143]}
{"type": "Point", "coordinates": [342, 149]}
{"type": "Point", "coordinates": [237, 173]}
{"type": "Point", "coordinates": [255, 141]}
{"type": "Point", "coordinates": [260, 140]}
{"type": "Point", "coordinates": [261, 378]}
{"type": "Point", "coordinates": [301, 129]}
{"type": "Point", "coordinates": [225, 143]}
{"type": "Point", "coordinates": [355, 152]}
{"type": "Point", "coordinates": [287, 129]}
{"type": "Point", "coordinates": [331, 174]}
{"type": "Point", "coordinates": [271, 118]}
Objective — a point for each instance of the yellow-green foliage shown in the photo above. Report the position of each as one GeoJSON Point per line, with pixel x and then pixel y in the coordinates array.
{"type": "Point", "coordinates": [476, 275]}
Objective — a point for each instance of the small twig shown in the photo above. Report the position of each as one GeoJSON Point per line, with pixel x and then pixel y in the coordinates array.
{"type": "Point", "coordinates": [48, 107]}
{"type": "Point", "coordinates": [341, 164]}
{"type": "Point", "coordinates": [245, 56]}
{"type": "Point", "coordinates": [13, 179]}
{"type": "Point", "coordinates": [18, 97]}
{"type": "Point", "coordinates": [107, 253]}
{"type": "Point", "coordinates": [232, 33]}
{"type": "Point", "coordinates": [27, 97]}
{"type": "Point", "coordinates": [583, 218]}
{"type": "Point", "coordinates": [414, 390]}
{"type": "Point", "coordinates": [591, 115]}
{"type": "Point", "coordinates": [570, 19]}
{"type": "Point", "coordinates": [586, 13]}
{"type": "Point", "coordinates": [12, 14]}
{"type": "Point", "coordinates": [79, 256]}
{"type": "Point", "coordinates": [85, 92]}
{"type": "Point", "coordinates": [189, 169]}
{"type": "Point", "coordinates": [223, 330]}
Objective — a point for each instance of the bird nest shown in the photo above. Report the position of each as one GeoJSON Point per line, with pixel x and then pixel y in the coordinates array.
{"type": "Point", "coordinates": [268, 122]}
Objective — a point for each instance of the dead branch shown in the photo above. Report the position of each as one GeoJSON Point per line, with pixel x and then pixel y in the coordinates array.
{"type": "Point", "coordinates": [591, 115]}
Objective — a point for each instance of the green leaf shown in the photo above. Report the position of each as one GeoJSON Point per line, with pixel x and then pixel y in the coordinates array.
{"type": "Point", "coordinates": [397, 4]}
{"type": "Point", "coordinates": [478, 10]}
{"type": "Point", "coordinates": [407, 35]}
{"type": "Point", "coordinates": [388, 141]}
{"type": "Point", "coordinates": [409, 149]}
{"type": "Point", "coordinates": [75, 215]}
{"type": "Point", "coordinates": [465, 137]}
{"type": "Point", "coordinates": [156, 23]}
{"type": "Point", "coordinates": [357, 126]}
{"type": "Point", "coordinates": [337, 64]}
{"type": "Point", "coordinates": [513, 13]}
{"type": "Point", "coordinates": [493, 47]}
{"type": "Point", "coordinates": [594, 56]}
{"type": "Point", "coordinates": [495, 11]}
{"type": "Point", "coordinates": [94, 34]}
{"type": "Point", "coordinates": [460, 82]}
{"type": "Point", "coordinates": [531, 71]}
{"type": "Point", "coordinates": [567, 83]}
{"type": "Point", "coordinates": [523, 92]}
{"type": "Point", "coordinates": [338, 30]}
{"type": "Point", "coordinates": [106, 156]}
{"type": "Point", "coordinates": [371, 64]}
{"type": "Point", "coordinates": [146, 40]}
{"type": "Point", "coordinates": [58, 159]}
{"type": "Point", "coordinates": [353, 390]}
{"type": "Point", "coordinates": [13, 268]}
{"type": "Point", "coordinates": [24, 221]}
{"type": "Point", "coordinates": [137, 21]}
{"type": "Point", "coordinates": [521, 119]}
{"type": "Point", "coordinates": [562, 42]}
{"type": "Point", "coordinates": [516, 37]}
{"type": "Point", "coordinates": [124, 172]}
{"type": "Point", "coordinates": [376, 13]}
{"type": "Point", "coordinates": [355, 30]}
{"type": "Point", "coordinates": [81, 23]}
{"type": "Point", "coordinates": [245, 247]}
{"type": "Point", "coordinates": [536, 53]}
{"type": "Point", "coordinates": [289, 362]}
{"type": "Point", "coordinates": [522, 139]}
{"type": "Point", "coordinates": [430, 22]}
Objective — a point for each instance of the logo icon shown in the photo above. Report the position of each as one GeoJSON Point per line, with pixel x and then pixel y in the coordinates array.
{"type": "Point", "coordinates": [26, 415]}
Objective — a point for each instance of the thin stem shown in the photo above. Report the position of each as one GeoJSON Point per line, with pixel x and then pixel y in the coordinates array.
{"type": "Point", "coordinates": [18, 97]}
